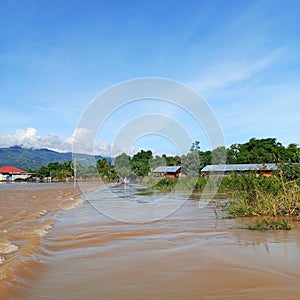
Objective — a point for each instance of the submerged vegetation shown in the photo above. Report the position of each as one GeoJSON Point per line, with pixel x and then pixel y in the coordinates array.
{"type": "Point", "coordinates": [275, 200]}
{"type": "Point", "coordinates": [164, 184]}
{"type": "Point", "coordinates": [256, 195]}
{"type": "Point", "coordinates": [185, 183]}
{"type": "Point", "coordinates": [274, 224]}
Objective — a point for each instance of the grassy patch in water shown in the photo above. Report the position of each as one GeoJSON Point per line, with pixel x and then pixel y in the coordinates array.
{"type": "Point", "coordinates": [270, 225]}
{"type": "Point", "coordinates": [180, 184]}
{"type": "Point", "coordinates": [164, 184]}
{"type": "Point", "coordinates": [256, 195]}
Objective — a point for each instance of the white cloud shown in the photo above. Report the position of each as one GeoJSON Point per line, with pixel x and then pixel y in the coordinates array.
{"type": "Point", "coordinates": [80, 139]}
{"type": "Point", "coordinates": [225, 73]}
{"type": "Point", "coordinates": [29, 138]}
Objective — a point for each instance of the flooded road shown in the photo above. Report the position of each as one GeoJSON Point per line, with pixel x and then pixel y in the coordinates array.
{"type": "Point", "coordinates": [189, 254]}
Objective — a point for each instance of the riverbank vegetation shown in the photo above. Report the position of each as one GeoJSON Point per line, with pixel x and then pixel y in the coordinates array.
{"type": "Point", "coordinates": [250, 194]}
{"type": "Point", "coordinates": [185, 183]}
{"type": "Point", "coordinates": [143, 163]}
{"type": "Point", "coordinates": [276, 197]}
{"type": "Point", "coordinates": [253, 195]}
{"type": "Point", "coordinates": [274, 201]}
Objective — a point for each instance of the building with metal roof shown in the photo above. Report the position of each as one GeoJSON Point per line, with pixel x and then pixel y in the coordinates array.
{"type": "Point", "coordinates": [167, 171]}
{"type": "Point", "coordinates": [228, 168]}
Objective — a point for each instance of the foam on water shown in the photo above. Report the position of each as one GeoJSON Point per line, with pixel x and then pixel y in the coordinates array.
{"type": "Point", "coordinates": [43, 231]}
{"type": "Point", "coordinates": [27, 215]}
{"type": "Point", "coordinates": [2, 260]}
{"type": "Point", "coordinates": [71, 203]}
{"type": "Point", "coordinates": [7, 247]}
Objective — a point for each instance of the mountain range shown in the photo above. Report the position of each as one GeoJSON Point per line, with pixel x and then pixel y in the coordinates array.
{"type": "Point", "coordinates": [28, 158]}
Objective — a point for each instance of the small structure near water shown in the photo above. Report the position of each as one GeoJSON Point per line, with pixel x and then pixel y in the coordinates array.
{"type": "Point", "coordinates": [10, 173]}
{"type": "Point", "coordinates": [167, 171]}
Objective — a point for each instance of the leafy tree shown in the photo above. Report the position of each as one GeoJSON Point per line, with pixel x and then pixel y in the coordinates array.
{"type": "Point", "coordinates": [86, 172]}
{"type": "Point", "coordinates": [106, 170]}
{"type": "Point", "coordinates": [90, 171]}
{"type": "Point", "coordinates": [232, 153]}
{"type": "Point", "coordinates": [44, 171]}
{"type": "Point", "coordinates": [140, 163]}
{"type": "Point", "coordinates": [195, 147]}
{"type": "Point", "coordinates": [190, 163]}
{"type": "Point", "coordinates": [171, 160]}
{"type": "Point", "coordinates": [157, 161]}
{"type": "Point", "coordinates": [122, 165]}
{"type": "Point", "coordinates": [292, 154]}
{"type": "Point", "coordinates": [195, 160]}
{"type": "Point", "coordinates": [218, 155]}
{"type": "Point", "coordinates": [205, 158]}
{"type": "Point", "coordinates": [59, 170]}
{"type": "Point", "coordinates": [257, 151]}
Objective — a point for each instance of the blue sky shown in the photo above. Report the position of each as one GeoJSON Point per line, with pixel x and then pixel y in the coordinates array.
{"type": "Point", "coordinates": [242, 57]}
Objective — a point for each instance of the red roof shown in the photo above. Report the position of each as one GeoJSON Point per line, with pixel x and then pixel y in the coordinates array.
{"type": "Point", "coordinates": [10, 169]}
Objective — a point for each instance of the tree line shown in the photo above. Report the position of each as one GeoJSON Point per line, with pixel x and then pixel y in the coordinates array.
{"type": "Point", "coordinates": [144, 162]}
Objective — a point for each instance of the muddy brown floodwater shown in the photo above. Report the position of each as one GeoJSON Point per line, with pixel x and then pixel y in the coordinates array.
{"type": "Point", "coordinates": [51, 253]}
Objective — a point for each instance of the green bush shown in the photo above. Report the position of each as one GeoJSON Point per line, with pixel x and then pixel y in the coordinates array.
{"type": "Point", "coordinates": [165, 184]}
{"type": "Point", "coordinates": [184, 183]}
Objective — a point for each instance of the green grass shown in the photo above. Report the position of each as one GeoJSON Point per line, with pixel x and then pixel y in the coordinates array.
{"type": "Point", "coordinates": [164, 184]}
{"type": "Point", "coordinates": [255, 195]}
{"type": "Point", "coordinates": [183, 183]}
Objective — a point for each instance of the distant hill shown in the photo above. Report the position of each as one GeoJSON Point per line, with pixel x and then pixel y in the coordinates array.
{"type": "Point", "coordinates": [24, 158]}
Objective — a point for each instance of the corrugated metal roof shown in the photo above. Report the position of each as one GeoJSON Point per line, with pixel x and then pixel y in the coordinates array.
{"type": "Point", "coordinates": [167, 169]}
{"type": "Point", "coordinates": [239, 167]}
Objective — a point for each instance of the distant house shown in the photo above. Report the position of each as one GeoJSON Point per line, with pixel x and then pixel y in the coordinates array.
{"type": "Point", "coordinates": [10, 173]}
{"type": "Point", "coordinates": [266, 169]}
{"type": "Point", "coordinates": [167, 171]}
